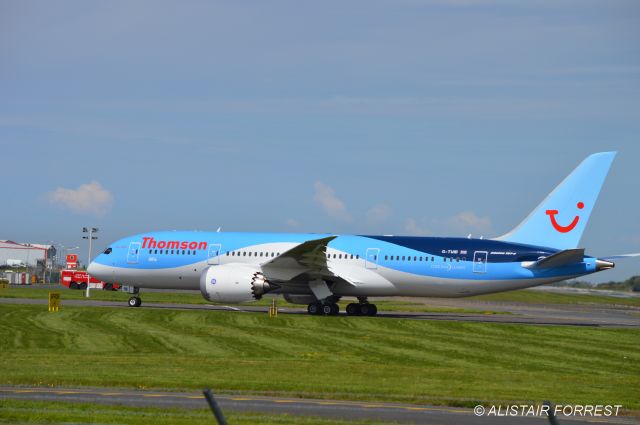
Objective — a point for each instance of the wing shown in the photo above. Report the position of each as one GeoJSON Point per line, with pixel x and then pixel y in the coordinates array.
{"type": "Point", "coordinates": [309, 257]}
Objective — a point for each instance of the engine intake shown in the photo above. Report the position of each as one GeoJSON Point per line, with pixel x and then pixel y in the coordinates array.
{"type": "Point", "coordinates": [233, 283]}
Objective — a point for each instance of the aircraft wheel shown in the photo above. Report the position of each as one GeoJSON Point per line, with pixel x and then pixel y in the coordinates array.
{"type": "Point", "coordinates": [134, 302]}
{"type": "Point", "coordinates": [334, 309]}
{"type": "Point", "coordinates": [353, 309]}
{"type": "Point", "coordinates": [313, 308]}
{"type": "Point", "coordinates": [373, 310]}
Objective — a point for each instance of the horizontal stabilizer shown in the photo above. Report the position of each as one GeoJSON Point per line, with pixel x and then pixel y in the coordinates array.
{"type": "Point", "coordinates": [563, 258]}
{"type": "Point", "coordinates": [617, 257]}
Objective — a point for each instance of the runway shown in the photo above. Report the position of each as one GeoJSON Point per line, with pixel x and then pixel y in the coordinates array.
{"type": "Point", "coordinates": [595, 315]}
{"type": "Point", "coordinates": [335, 409]}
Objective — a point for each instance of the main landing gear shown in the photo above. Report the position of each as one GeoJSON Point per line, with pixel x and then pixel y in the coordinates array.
{"type": "Point", "coordinates": [331, 308]}
{"type": "Point", "coordinates": [362, 308]}
{"type": "Point", "coordinates": [323, 308]}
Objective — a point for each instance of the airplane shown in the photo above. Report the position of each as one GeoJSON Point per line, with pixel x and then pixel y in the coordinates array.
{"type": "Point", "coordinates": [319, 269]}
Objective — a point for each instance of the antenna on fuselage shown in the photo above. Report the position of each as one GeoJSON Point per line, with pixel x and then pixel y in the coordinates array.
{"type": "Point", "coordinates": [219, 228]}
{"type": "Point", "coordinates": [469, 236]}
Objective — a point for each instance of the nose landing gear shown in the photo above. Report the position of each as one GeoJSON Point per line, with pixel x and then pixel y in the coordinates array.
{"type": "Point", "coordinates": [135, 300]}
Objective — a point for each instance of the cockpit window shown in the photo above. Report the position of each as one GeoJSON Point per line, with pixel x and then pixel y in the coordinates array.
{"type": "Point", "coordinates": [107, 251]}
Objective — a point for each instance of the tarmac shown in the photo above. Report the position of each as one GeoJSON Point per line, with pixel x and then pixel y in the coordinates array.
{"type": "Point", "coordinates": [591, 315]}
{"type": "Point", "coordinates": [329, 409]}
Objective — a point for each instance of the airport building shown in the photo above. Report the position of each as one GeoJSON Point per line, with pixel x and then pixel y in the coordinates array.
{"type": "Point", "coordinates": [14, 254]}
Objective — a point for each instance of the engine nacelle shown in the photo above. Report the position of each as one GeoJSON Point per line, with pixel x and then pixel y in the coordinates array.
{"type": "Point", "coordinates": [233, 283]}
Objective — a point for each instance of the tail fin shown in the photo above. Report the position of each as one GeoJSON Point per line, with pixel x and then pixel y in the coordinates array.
{"type": "Point", "coordinates": [560, 219]}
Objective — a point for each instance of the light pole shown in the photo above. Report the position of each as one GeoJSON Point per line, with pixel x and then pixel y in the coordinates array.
{"type": "Point", "coordinates": [91, 238]}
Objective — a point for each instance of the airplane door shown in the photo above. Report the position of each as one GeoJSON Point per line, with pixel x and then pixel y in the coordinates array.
{"type": "Point", "coordinates": [371, 259]}
{"type": "Point", "coordinates": [215, 250]}
{"type": "Point", "coordinates": [133, 253]}
{"type": "Point", "coordinates": [480, 261]}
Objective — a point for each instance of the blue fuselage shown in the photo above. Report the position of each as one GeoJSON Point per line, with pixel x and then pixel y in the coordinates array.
{"type": "Point", "coordinates": [375, 265]}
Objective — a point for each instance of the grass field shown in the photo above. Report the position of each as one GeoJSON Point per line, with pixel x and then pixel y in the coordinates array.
{"type": "Point", "coordinates": [18, 412]}
{"type": "Point", "coordinates": [453, 363]}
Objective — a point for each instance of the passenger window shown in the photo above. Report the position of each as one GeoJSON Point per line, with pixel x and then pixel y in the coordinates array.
{"type": "Point", "coordinates": [409, 258]}
{"type": "Point", "coordinates": [244, 253]}
{"type": "Point", "coordinates": [397, 258]}
{"type": "Point", "coordinates": [432, 259]}
{"type": "Point", "coordinates": [340, 256]}
{"type": "Point", "coordinates": [386, 257]}
{"type": "Point", "coordinates": [155, 252]}
{"type": "Point", "coordinates": [403, 257]}
{"type": "Point", "coordinates": [357, 256]}
{"type": "Point", "coordinates": [375, 258]}
{"type": "Point", "coordinates": [150, 251]}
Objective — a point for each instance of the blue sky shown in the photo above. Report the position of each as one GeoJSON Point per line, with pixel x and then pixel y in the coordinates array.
{"type": "Point", "coordinates": [395, 117]}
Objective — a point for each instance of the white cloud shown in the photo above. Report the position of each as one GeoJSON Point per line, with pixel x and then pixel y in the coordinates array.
{"type": "Point", "coordinates": [332, 205]}
{"type": "Point", "coordinates": [469, 221]}
{"type": "Point", "coordinates": [291, 222]}
{"type": "Point", "coordinates": [88, 198]}
{"type": "Point", "coordinates": [377, 214]}
{"type": "Point", "coordinates": [414, 229]}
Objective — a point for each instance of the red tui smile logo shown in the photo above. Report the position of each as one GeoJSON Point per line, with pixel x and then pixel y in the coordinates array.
{"type": "Point", "coordinates": [564, 229]}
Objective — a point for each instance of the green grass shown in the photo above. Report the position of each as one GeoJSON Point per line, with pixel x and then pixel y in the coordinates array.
{"type": "Point", "coordinates": [18, 412]}
{"type": "Point", "coordinates": [433, 362]}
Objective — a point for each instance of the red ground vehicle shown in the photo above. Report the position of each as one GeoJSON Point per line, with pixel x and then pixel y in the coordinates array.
{"type": "Point", "coordinates": [77, 279]}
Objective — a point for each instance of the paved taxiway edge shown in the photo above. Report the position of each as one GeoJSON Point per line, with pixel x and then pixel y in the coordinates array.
{"type": "Point", "coordinates": [336, 409]}
{"type": "Point", "coordinates": [519, 314]}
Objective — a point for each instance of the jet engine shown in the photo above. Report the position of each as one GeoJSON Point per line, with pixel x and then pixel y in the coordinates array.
{"type": "Point", "coordinates": [233, 283]}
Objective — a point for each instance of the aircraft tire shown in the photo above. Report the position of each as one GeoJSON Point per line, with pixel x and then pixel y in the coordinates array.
{"type": "Point", "coordinates": [373, 310]}
{"type": "Point", "coordinates": [134, 302]}
{"type": "Point", "coordinates": [353, 309]}
{"type": "Point", "coordinates": [314, 308]}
